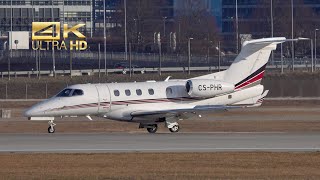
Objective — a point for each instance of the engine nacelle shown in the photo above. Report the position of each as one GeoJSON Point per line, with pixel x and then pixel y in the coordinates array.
{"type": "Point", "coordinates": [207, 87]}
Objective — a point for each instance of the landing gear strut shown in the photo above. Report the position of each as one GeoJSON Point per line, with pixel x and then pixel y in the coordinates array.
{"type": "Point", "coordinates": [51, 128]}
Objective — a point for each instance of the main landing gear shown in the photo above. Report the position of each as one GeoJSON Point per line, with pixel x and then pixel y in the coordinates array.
{"type": "Point", "coordinates": [152, 128]}
{"type": "Point", "coordinates": [51, 128]}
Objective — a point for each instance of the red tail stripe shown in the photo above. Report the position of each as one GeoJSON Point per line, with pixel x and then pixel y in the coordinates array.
{"type": "Point", "coordinates": [252, 80]}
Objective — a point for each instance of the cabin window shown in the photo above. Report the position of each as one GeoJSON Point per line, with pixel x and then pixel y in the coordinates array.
{"type": "Point", "coordinates": [77, 92]}
{"type": "Point", "coordinates": [128, 92]}
{"type": "Point", "coordinates": [169, 91]}
{"type": "Point", "coordinates": [229, 96]}
{"type": "Point", "coordinates": [139, 92]}
{"type": "Point", "coordinates": [65, 93]}
{"type": "Point", "coordinates": [151, 91]}
{"type": "Point", "coordinates": [116, 93]}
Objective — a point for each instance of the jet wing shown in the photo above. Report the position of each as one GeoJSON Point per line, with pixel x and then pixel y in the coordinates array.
{"type": "Point", "coordinates": [184, 110]}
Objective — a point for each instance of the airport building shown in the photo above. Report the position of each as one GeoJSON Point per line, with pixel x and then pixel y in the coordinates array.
{"type": "Point", "coordinates": [214, 7]}
{"type": "Point", "coordinates": [25, 12]}
{"type": "Point", "coordinates": [89, 12]}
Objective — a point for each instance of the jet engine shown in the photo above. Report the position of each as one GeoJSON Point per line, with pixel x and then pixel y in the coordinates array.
{"type": "Point", "coordinates": [207, 88]}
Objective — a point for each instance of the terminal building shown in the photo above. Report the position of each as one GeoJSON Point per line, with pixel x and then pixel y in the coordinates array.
{"type": "Point", "coordinates": [28, 11]}
{"type": "Point", "coordinates": [89, 12]}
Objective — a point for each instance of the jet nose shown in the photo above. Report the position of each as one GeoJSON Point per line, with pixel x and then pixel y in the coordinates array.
{"type": "Point", "coordinates": [32, 112]}
{"type": "Point", "coordinates": [29, 112]}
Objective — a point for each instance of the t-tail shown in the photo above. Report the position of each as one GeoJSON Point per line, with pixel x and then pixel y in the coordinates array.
{"type": "Point", "coordinates": [249, 67]}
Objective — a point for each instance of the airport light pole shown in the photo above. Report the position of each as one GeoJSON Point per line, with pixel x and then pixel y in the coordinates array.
{"type": "Point", "coordinates": [99, 59]}
{"type": "Point", "coordinates": [208, 53]}
{"type": "Point", "coordinates": [189, 54]}
{"type": "Point", "coordinates": [136, 29]}
{"type": "Point", "coordinates": [130, 61]}
{"type": "Point", "coordinates": [125, 30]}
{"type": "Point", "coordinates": [311, 47]}
{"type": "Point", "coordinates": [271, 17]}
{"type": "Point", "coordinates": [70, 63]}
{"type": "Point", "coordinates": [164, 26]}
{"type": "Point", "coordinates": [219, 63]}
{"type": "Point", "coordinates": [53, 55]}
{"type": "Point", "coordinates": [237, 27]}
{"type": "Point", "coordinates": [281, 59]}
{"type": "Point", "coordinates": [10, 41]}
{"type": "Point", "coordinates": [292, 43]}
{"type": "Point", "coordinates": [105, 37]}
{"type": "Point", "coordinates": [315, 47]}
{"type": "Point", "coordinates": [160, 52]}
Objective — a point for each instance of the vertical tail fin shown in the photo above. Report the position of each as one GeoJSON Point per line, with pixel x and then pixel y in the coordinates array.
{"type": "Point", "coordinates": [248, 68]}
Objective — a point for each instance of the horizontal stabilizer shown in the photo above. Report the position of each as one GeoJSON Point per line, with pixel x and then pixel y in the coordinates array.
{"type": "Point", "coordinates": [253, 102]}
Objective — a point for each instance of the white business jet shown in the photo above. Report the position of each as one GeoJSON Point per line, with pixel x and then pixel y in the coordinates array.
{"type": "Point", "coordinates": [151, 103]}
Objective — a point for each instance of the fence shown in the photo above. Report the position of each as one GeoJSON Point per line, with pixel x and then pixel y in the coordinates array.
{"type": "Point", "coordinates": [303, 86]}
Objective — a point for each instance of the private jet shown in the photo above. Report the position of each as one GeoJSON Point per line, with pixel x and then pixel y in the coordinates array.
{"type": "Point", "coordinates": [152, 103]}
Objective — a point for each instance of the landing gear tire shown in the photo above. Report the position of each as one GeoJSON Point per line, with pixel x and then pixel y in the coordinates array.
{"type": "Point", "coordinates": [174, 129]}
{"type": "Point", "coordinates": [153, 129]}
{"type": "Point", "coordinates": [51, 129]}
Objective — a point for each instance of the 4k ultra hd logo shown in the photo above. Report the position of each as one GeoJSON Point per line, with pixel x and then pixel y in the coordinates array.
{"type": "Point", "coordinates": [47, 35]}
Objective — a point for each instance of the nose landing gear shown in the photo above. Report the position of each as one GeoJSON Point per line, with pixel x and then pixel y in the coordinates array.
{"type": "Point", "coordinates": [51, 128]}
{"type": "Point", "coordinates": [173, 127]}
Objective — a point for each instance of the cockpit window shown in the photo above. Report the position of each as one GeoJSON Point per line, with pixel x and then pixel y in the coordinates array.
{"type": "Point", "coordinates": [65, 93]}
{"type": "Point", "coordinates": [77, 92]}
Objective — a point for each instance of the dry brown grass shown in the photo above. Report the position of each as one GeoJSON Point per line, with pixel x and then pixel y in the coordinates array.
{"type": "Point", "coordinates": [161, 166]}
{"type": "Point", "coordinates": [186, 126]}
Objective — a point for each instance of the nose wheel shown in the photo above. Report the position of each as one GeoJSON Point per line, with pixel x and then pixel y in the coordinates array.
{"type": "Point", "coordinates": [51, 128]}
{"type": "Point", "coordinates": [173, 126]}
{"type": "Point", "coordinates": [174, 129]}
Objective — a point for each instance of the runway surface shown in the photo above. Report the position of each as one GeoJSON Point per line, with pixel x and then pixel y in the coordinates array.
{"type": "Point", "coordinates": [180, 142]}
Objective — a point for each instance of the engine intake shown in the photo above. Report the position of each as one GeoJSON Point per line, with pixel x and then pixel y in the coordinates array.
{"type": "Point", "coordinates": [207, 87]}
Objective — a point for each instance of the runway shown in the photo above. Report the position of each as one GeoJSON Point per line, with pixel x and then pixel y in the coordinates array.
{"type": "Point", "coordinates": [180, 142]}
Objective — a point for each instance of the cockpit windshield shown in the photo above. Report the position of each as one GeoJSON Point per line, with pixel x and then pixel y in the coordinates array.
{"type": "Point", "coordinates": [77, 92]}
{"type": "Point", "coordinates": [70, 92]}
